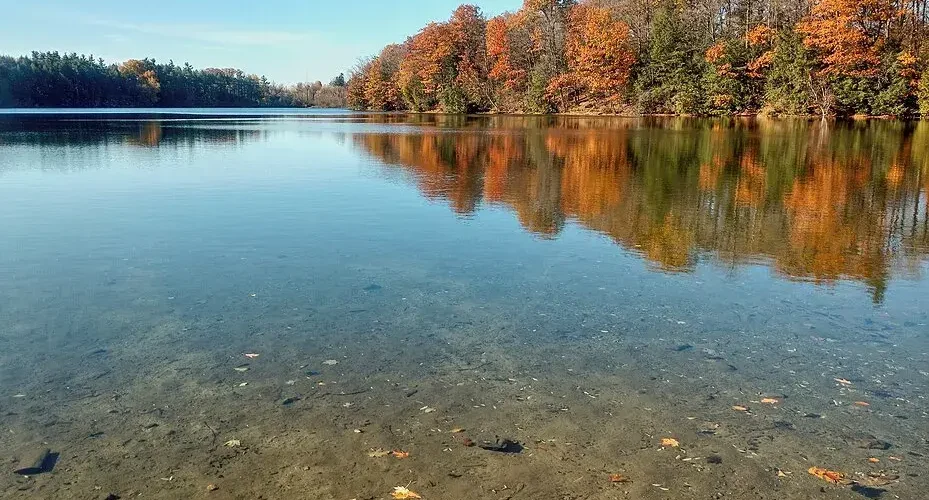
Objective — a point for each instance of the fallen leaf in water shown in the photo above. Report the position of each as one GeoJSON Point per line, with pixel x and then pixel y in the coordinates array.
{"type": "Point", "coordinates": [862, 403]}
{"type": "Point", "coordinates": [843, 381]}
{"type": "Point", "coordinates": [457, 430]}
{"type": "Point", "coordinates": [251, 355]}
{"type": "Point", "coordinates": [427, 409]}
{"type": "Point", "coordinates": [895, 459]}
{"type": "Point", "coordinates": [233, 443]}
{"type": "Point", "coordinates": [739, 408]}
{"type": "Point", "coordinates": [619, 478]}
{"type": "Point", "coordinates": [401, 493]}
{"type": "Point", "coordinates": [827, 475]}
{"type": "Point", "coordinates": [378, 453]}
{"type": "Point", "coordinates": [874, 460]}
{"type": "Point", "coordinates": [241, 368]}
{"type": "Point", "coordinates": [670, 442]}
{"type": "Point", "coordinates": [770, 401]}
{"type": "Point", "coordinates": [330, 362]}
{"type": "Point", "coordinates": [400, 453]}
{"type": "Point", "coordinates": [781, 473]}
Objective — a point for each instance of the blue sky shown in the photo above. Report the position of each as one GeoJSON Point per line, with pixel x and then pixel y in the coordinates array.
{"type": "Point", "coordinates": [286, 40]}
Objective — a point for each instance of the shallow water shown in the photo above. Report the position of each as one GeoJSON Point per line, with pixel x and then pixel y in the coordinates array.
{"type": "Point", "coordinates": [584, 286]}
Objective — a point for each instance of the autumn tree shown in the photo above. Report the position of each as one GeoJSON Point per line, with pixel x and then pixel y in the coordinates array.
{"type": "Point", "coordinates": [468, 31]}
{"type": "Point", "coordinates": [599, 59]}
{"type": "Point", "coordinates": [381, 90]}
{"type": "Point", "coordinates": [144, 74]}
{"type": "Point", "coordinates": [427, 67]}
{"type": "Point", "coordinates": [848, 35]}
{"type": "Point", "coordinates": [357, 83]}
{"type": "Point", "coordinates": [849, 39]}
{"type": "Point", "coordinates": [734, 81]}
{"type": "Point", "coordinates": [511, 55]}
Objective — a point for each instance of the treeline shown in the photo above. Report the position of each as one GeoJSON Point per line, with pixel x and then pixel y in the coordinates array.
{"type": "Point", "coordinates": [829, 57]}
{"type": "Point", "coordinates": [49, 79]}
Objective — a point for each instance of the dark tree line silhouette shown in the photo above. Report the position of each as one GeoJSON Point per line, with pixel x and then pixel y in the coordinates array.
{"type": "Point", "coordinates": [50, 79]}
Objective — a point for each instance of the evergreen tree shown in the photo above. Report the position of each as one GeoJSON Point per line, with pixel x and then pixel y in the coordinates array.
{"type": "Point", "coordinates": [671, 73]}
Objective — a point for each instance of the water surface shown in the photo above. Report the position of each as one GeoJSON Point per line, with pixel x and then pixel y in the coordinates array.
{"type": "Point", "coordinates": [585, 286]}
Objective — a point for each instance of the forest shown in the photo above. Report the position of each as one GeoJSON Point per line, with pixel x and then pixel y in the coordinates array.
{"type": "Point", "coordinates": [50, 79]}
{"type": "Point", "coordinates": [708, 57]}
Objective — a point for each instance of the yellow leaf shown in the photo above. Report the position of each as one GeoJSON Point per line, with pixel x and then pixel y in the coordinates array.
{"type": "Point", "coordinates": [739, 408]}
{"type": "Point", "coordinates": [457, 430]}
{"type": "Point", "coordinates": [400, 454]}
{"type": "Point", "coordinates": [401, 493]}
{"type": "Point", "coordinates": [770, 401]}
{"type": "Point", "coordinates": [874, 460]}
{"type": "Point", "coordinates": [670, 442]}
{"type": "Point", "coordinates": [862, 403]}
{"type": "Point", "coordinates": [619, 478]}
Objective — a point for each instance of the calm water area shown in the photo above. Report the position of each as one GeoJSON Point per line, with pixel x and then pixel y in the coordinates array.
{"type": "Point", "coordinates": [254, 304]}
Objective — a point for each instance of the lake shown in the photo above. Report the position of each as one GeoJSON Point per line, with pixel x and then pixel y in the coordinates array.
{"type": "Point", "coordinates": [284, 305]}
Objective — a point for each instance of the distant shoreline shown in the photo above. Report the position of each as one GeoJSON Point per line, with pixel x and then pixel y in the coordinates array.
{"type": "Point", "coordinates": [286, 110]}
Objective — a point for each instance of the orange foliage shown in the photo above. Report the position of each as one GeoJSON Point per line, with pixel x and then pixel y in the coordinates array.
{"type": "Point", "coordinates": [848, 35]}
{"type": "Point", "coordinates": [144, 74]}
{"type": "Point", "coordinates": [715, 53]}
{"type": "Point", "coordinates": [508, 58]}
{"type": "Point", "coordinates": [760, 35]}
{"type": "Point", "coordinates": [428, 53]}
{"type": "Point", "coordinates": [598, 53]}
{"type": "Point", "coordinates": [467, 30]}
{"type": "Point", "coordinates": [909, 68]}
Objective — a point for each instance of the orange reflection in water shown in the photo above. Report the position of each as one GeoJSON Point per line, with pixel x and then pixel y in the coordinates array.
{"type": "Point", "coordinates": [815, 201]}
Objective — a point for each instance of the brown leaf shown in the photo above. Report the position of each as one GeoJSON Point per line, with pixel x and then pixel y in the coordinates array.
{"type": "Point", "coordinates": [619, 478]}
{"type": "Point", "coordinates": [400, 453]}
{"type": "Point", "coordinates": [740, 408]}
{"type": "Point", "coordinates": [770, 401]}
{"type": "Point", "coordinates": [827, 475]}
